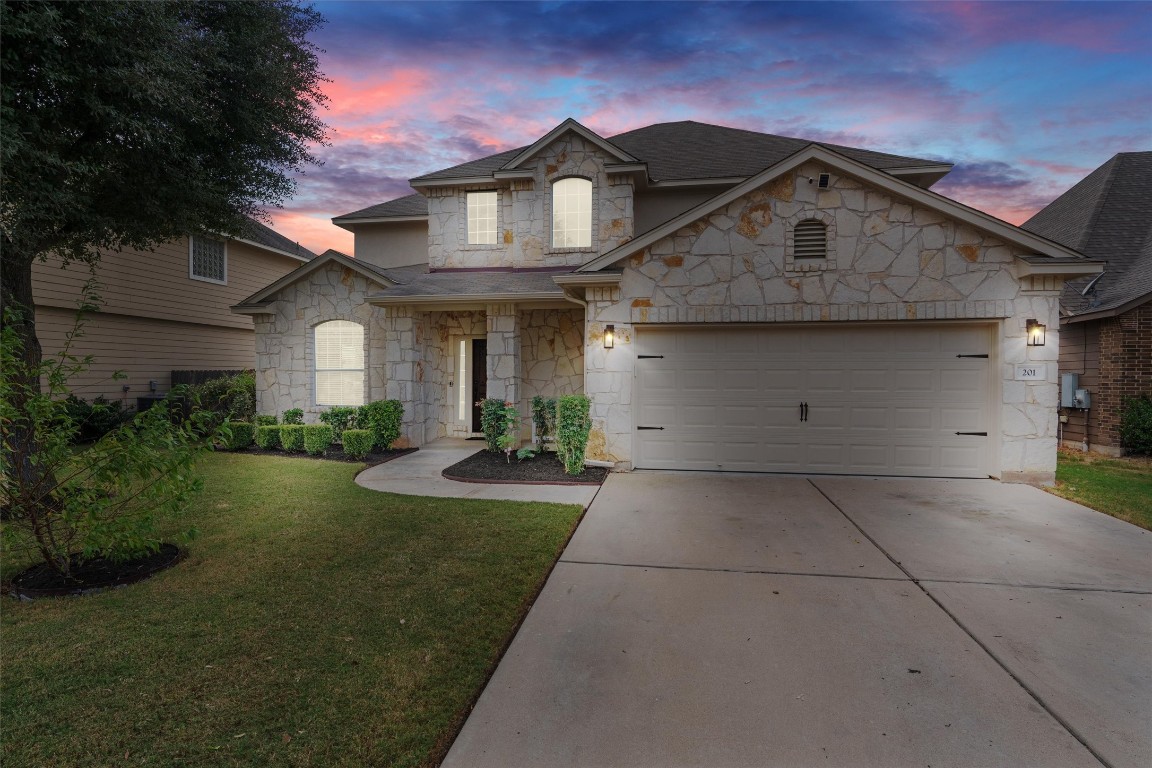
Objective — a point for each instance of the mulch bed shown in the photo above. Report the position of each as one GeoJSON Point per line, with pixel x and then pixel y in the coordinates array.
{"type": "Point", "coordinates": [91, 575]}
{"type": "Point", "coordinates": [487, 467]}
{"type": "Point", "coordinates": [334, 454]}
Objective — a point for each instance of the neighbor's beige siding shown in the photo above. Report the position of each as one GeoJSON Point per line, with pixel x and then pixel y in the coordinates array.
{"type": "Point", "coordinates": [153, 317]}
{"type": "Point", "coordinates": [156, 284]}
{"type": "Point", "coordinates": [143, 348]}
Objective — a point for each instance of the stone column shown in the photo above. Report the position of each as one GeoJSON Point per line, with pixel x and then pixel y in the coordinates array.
{"type": "Point", "coordinates": [503, 362]}
{"type": "Point", "coordinates": [608, 377]}
{"type": "Point", "coordinates": [404, 369]}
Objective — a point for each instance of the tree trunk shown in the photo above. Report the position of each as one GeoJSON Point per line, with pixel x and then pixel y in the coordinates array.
{"type": "Point", "coordinates": [17, 306]}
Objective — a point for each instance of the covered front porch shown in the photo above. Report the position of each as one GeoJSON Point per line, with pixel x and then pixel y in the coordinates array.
{"type": "Point", "coordinates": [442, 358]}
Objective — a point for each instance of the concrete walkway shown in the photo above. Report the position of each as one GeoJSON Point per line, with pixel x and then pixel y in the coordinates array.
{"type": "Point", "coordinates": [727, 621]}
{"type": "Point", "coordinates": [418, 474]}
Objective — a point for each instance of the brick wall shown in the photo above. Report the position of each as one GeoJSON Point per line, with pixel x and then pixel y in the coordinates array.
{"type": "Point", "coordinates": [1125, 367]}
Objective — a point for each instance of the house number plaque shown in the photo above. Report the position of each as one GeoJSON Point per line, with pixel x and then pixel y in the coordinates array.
{"type": "Point", "coordinates": [1032, 372]}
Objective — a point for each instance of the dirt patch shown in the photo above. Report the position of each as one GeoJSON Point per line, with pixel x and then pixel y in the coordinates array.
{"type": "Point", "coordinates": [487, 467]}
{"type": "Point", "coordinates": [92, 575]}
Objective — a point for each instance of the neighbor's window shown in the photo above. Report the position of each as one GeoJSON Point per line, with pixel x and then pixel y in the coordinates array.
{"type": "Point", "coordinates": [207, 259]}
{"type": "Point", "coordinates": [810, 240]}
{"type": "Point", "coordinates": [482, 218]}
{"type": "Point", "coordinates": [339, 363]}
{"type": "Point", "coordinates": [572, 213]}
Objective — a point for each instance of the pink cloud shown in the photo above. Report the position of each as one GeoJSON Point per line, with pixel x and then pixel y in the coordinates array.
{"type": "Point", "coordinates": [313, 231]}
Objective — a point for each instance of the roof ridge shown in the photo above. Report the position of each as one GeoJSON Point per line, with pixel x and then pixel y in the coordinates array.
{"type": "Point", "coordinates": [1109, 176]}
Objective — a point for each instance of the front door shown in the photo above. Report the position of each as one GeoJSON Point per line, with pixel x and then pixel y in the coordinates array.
{"type": "Point", "coordinates": [479, 379]}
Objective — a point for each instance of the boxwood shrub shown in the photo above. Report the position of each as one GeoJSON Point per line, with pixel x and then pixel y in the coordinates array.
{"type": "Point", "coordinates": [268, 437]}
{"type": "Point", "coordinates": [241, 435]}
{"type": "Point", "coordinates": [358, 442]}
{"type": "Point", "coordinates": [340, 418]}
{"type": "Point", "coordinates": [383, 419]}
{"type": "Point", "coordinates": [265, 420]}
{"type": "Point", "coordinates": [292, 437]}
{"type": "Point", "coordinates": [1136, 425]}
{"type": "Point", "coordinates": [294, 416]}
{"type": "Point", "coordinates": [317, 438]}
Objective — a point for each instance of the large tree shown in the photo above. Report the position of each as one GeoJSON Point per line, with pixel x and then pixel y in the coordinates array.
{"type": "Point", "coordinates": [127, 124]}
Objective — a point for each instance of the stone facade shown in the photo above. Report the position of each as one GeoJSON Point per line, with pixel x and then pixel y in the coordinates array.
{"type": "Point", "coordinates": [888, 260]}
{"type": "Point", "coordinates": [284, 338]}
{"type": "Point", "coordinates": [525, 213]}
{"type": "Point", "coordinates": [552, 356]}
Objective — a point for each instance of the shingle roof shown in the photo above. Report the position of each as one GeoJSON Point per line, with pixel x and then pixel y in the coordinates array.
{"type": "Point", "coordinates": [409, 205]}
{"type": "Point", "coordinates": [691, 150]}
{"type": "Point", "coordinates": [411, 282]}
{"type": "Point", "coordinates": [1106, 216]}
{"type": "Point", "coordinates": [678, 151]}
{"type": "Point", "coordinates": [258, 233]}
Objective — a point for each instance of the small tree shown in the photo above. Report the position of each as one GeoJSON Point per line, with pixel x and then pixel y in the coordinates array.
{"type": "Point", "coordinates": [107, 500]}
{"type": "Point", "coordinates": [509, 439]}
{"type": "Point", "coordinates": [544, 418]}
{"type": "Point", "coordinates": [573, 425]}
{"type": "Point", "coordinates": [492, 422]}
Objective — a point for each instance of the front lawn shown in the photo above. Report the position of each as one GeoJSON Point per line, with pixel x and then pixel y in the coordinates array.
{"type": "Point", "coordinates": [1118, 487]}
{"type": "Point", "coordinates": [314, 623]}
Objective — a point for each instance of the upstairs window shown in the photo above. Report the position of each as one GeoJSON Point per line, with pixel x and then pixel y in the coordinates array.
{"type": "Point", "coordinates": [810, 240]}
{"type": "Point", "coordinates": [482, 218]}
{"type": "Point", "coordinates": [207, 259]}
{"type": "Point", "coordinates": [572, 213]}
{"type": "Point", "coordinates": [339, 363]}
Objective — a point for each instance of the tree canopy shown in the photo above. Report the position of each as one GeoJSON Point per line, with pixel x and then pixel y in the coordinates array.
{"type": "Point", "coordinates": [133, 123]}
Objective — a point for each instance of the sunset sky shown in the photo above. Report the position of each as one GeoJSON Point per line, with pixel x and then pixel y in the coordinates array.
{"type": "Point", "coordinates": [1025, 98]}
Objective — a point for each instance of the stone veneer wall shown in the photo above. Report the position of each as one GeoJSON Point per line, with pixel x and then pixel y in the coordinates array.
{"type": "Point", "coordinates": [524, 218]}
{"type": "Point", "coordinates": [284, 338]}
{"type": "Point", "coordinates": [889, 260]}
{"type": "Point", "coordinates": [551, 357]}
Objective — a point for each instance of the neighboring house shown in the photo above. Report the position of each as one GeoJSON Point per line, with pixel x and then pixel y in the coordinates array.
{"type": "Point", "coordinates": [1106, 321]}
{"type": "Point", "coordinates": [729, 300]}
{"type": "Point", "coordinates": [161, 310]}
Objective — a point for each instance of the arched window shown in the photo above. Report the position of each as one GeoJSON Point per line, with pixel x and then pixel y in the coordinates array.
{"type": "Point", "coordinates": [810, 240]}
{"type": "Point", "coordinates": [572, 213]}
{"type": "Point", "coordinates": [339, 363]}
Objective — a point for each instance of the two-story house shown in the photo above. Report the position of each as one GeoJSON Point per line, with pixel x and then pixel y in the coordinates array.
{"type": "Point", "coordinates": [729, 300]}
{"type": "Point", "coordinates": [161, 310]}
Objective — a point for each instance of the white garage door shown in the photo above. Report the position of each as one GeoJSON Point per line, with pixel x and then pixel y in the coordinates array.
{"type": "Point", "coordinates": [890, 399]}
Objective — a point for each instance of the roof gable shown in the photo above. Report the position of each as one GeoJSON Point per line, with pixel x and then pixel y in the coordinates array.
{"type": "Point", "coordinates": [368, 271]}
{"type": "Point", "coordinates": [862, 172]}
{"type": "Point", "coordinates": [567, 126]}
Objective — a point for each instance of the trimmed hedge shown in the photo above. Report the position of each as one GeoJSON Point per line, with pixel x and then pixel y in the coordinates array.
{"type": "Point", "coordinates": [358, 442]}
{"type": "Point", "coordinates": [241, 435]}
{"type": "Point", "coordinates": [292, 437]}
{"type": "Point", "coordinates": [1136, 425]}
{"type": "Point", "coordinates": [268, 437]}
{"type": "Point", "coordinates": [264, 420]}
{"type": "Point", "coordinates": [294, 416]}
{"type": "Point", "coordinates": [340, 418]}
{"type": "Point", "coordinates": [382, 418]}
{"type": "Point", "coordinates": [318, 438]}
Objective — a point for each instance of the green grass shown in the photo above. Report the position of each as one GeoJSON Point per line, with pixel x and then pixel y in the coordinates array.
{"type": "Point", "coordinates": [314, 623]}
{"type": "Point", "coordinates": [1118, 487]}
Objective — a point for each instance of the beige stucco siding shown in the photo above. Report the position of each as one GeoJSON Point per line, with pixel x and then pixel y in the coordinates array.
{"type": "Point", "coordinates": [156, 284]}
{"type": "Point", "coordinates": [143, 348]}
{"type": "Point", "coordinates": [398, 244]}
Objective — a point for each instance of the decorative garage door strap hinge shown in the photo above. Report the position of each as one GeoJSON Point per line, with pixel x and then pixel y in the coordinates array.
{"type": "Point", "coordinates": [649, 427]}
{"type": "Point", "coordinates": [978, 434]}
{"type": "Point", "coordinates": [985, 356]}
{"type": "Point", "coordinates": [649, 357]}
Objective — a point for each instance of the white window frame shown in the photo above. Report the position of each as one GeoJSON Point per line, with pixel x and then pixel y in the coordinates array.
{"type": "Point", "coordinates": [191, 259]}
{"type": "Point", "coordinates": [585, 226]}
{"type": "Point", "coordinates": [317, 370]}
{"type": "Point", "coordinates": [473, 234]}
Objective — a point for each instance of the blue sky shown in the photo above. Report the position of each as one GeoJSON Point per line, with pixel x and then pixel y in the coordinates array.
{"type": "Point", "coordinates": [1025, 98]}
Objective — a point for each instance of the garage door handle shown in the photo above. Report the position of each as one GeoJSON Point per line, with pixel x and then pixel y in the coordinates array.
{"type": "Point", "coordinates": [649, 427]}
{"type": "Point", "coordinates": [649, 357]}
{"type": "Point", "coordinates": [803, 411]}
{"type": "Point", "coordinates": [981, 356]}
{"type": "Point", "coordinates": [978, 434]}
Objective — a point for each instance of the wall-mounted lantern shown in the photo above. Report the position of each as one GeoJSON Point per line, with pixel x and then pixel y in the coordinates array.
{"type": "Point", "coordinates": [1036, 331]}
{"type": "Point", "coordinates": [609, 336]}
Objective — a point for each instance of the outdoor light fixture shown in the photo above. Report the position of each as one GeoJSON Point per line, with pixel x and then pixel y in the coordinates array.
{"type": "Point", "coordinates": [1035, 332]}
{"type": "Point", "coordinates": [609, 336]}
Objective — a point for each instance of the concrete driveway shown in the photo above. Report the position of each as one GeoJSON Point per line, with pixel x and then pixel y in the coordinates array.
{"type": "Point", "coordinates": [725, 620]}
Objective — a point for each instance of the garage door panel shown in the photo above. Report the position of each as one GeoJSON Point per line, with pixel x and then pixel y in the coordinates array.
{"type": "Point", "coordinates": [881, 399]}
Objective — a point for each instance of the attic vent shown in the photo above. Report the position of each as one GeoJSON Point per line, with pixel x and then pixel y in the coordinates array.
{"type": "Point", "coordinates": [825, 181]}
{"type": "Point", "coordinates": [810, 240]}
